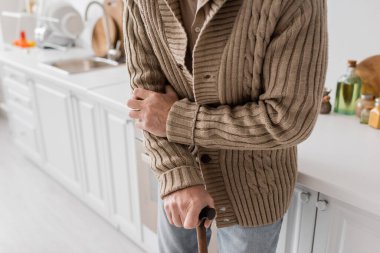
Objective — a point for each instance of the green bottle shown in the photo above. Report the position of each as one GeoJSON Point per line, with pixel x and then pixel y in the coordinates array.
{"type": "Point", "coordinates": [348, 91]}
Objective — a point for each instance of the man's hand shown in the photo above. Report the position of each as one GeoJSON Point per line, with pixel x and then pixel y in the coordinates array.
{"type": "Point", "coordinates": [151, 109]}
{"type": "Point", "coordinates": [183, 207]}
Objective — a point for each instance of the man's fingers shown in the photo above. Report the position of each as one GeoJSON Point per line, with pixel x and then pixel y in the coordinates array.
{"type": "Point", "coordinates": [177, 219]}
{"type": "Point", "coordinates": [141, 93]}
{"type": "Point", "coordinates": [168, 212]}
{"type": "Point", "coordinates": [134, 97]}
{"type": "Point", "coordinates": [174, 215]}
{"type": "Point", "coordinates": [208, 223]}
{"type": "Point", "coordinates": [134, 104]}
{"type": "Point", "coordinates": [191, 219]}
{"type": "Point", "coordinates": [134, 114]}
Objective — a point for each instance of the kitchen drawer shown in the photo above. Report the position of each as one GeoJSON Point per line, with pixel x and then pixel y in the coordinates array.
{"type": "Point", "coordinates": [15, 97]}
{"type": "Point", "coordinates": [20, 111]}
{"type": "Point", "coordinates": [23, 133]}
{"type": "Point", "coordinates": [16, 86]}
{"type": "Point", "coordinates": [15, 75]}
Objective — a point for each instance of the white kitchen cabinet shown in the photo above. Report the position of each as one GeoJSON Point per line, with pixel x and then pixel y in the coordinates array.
{"type": "Point", "coordinates": [91, 159]}
{"type": "Point", "coordinates": [121, 165]}
{"type": "Point", "coordinates": [20, 107]}
{"type": "Point", "coordinates": [297, 230]}
{"type": "Point", "coordinates": [2, 102]}
{"type": "Point", "coordinates": [342, 228]}
{"type": "Point", "coordinates": [55, 115]}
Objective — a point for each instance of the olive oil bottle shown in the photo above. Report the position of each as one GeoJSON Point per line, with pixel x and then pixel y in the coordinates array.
{"type": "Point", "coordinates": [348, 91]}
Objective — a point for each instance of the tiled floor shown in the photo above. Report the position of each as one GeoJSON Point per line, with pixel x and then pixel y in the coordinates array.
{"type": "Point", "coordinates": [38, 216]}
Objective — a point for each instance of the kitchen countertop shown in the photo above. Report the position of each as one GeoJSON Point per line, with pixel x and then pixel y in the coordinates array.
{"type": "Point", "coordinates": [31, 61]}
{"type": "Point", "coordinates": [340, 158]}
{"type": "Point", "coordinates": [115, 95]}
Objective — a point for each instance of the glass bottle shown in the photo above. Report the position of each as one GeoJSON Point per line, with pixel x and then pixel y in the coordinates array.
{"type": "Point", "coordinates": [348, 91]}
{"type": "Point", "coordinates": [374, 116]}
{"type": "Point", "coordinates": [366, 100]}
{"type": "Point", "coordinates": [364, 115]}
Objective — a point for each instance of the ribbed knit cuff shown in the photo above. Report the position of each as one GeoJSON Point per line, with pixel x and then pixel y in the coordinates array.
{"type": "Point", "coordinates": [179, 178]}
{"type": "Point", "coordinates": [181, 122]}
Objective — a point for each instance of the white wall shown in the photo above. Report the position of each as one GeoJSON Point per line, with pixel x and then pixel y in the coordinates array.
{"type": "Point", "coordinates": [80, 5]}
{"type": "Point", "coordinates": [354, 32]}
{"type": "Point", "coordinates": [10, 5]}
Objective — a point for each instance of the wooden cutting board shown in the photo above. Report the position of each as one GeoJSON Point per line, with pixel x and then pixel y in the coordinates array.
{"type": "Point", "coordinates": [115, 8]}
{"type": "Point", "coordinates": [99, 43]}
{"type": "Point", "coordinates": [369, 72]}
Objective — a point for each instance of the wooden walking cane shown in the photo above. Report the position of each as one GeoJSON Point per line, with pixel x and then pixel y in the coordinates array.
{"type": "Point", "coordinates": [207, 213]}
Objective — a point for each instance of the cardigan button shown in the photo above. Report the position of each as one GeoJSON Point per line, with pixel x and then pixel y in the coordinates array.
{"type": "Point", "coordinates": [208, 76]}
{"type": "Point", "coordinates": [180, 66]}
{"type": "Point", "coordinates": [205, 158]}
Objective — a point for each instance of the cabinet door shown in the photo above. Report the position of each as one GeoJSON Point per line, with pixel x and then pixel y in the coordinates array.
{"type": "Point", "coordinates": [341, 228]}
{"type": "Point", "coordinates": [91, 159]}
{"type": "Point", "coordinates": [148, 191]}
{"type": "Point", "coordinates": [24, 135]}
{"type": "Point", "coordinates": [121, 165]}
{"type": "Point", "coordinates": [54, 110]}
{"type": "Point", "coordinates": [298, 225]}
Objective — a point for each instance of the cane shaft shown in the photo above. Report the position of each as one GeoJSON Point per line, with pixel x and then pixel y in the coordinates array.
{"type": "Point", "coordinates": [201, 237]}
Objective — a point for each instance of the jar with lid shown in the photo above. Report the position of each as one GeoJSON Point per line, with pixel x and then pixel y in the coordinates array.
{"type": "Point", "coordinates": [374, 116]}
{"type": "Point", "coordinates": [365, 101]}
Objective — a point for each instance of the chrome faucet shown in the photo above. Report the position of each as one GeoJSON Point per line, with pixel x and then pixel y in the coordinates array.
{"type": "Point", "coordinates": [112, 53]}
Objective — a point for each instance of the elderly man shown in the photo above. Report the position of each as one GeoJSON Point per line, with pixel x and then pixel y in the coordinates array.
{"type": "Point", "coordinates": [224, 91]}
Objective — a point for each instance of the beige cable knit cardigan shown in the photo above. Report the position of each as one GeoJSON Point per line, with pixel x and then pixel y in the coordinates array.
{"type": "Point", "coordinates": [258, 74]}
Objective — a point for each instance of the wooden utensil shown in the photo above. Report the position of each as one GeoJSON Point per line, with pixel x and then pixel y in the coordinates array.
{"type": "Point", "coordinates": [207, 213]}
{"type": "Point", "coordinates": [369, 72]}
{"type": "Point", "coordinates": [99, 42]}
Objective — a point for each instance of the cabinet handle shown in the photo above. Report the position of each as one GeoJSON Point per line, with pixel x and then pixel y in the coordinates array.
{"type": "Point", "coordinates": [322, 205]}
{"type": "Point", "coordinates": [305, 197]}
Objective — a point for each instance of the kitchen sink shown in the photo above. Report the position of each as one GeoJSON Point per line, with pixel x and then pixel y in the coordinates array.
{"type": "Point", "coordinates": [74, 66]}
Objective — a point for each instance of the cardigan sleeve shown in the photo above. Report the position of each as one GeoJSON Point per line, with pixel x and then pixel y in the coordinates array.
{"type": "Point", "coordinates": [172, 163]}
{"type": "Point", "coordinates": [287, 109]}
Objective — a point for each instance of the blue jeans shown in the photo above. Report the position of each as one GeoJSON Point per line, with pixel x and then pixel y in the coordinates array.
{"type": "Point", "coordinates": [234, 239]}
